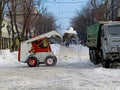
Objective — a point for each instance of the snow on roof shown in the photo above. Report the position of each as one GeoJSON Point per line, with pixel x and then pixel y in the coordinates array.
{"type": "Point", "coordinates": [71, 30]}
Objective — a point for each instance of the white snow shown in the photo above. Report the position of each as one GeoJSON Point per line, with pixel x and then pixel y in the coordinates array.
{"type": "Point", "coordinates": [73, 71]}
{"type": "Point", "coordinates": [71, 30]}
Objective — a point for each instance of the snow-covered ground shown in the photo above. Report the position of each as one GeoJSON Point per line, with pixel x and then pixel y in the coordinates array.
{"type": "Point", "coordinates": [74, 71]}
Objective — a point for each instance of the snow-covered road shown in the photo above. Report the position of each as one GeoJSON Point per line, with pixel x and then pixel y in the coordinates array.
{"type": "Point", "coordinates": [73, 71]}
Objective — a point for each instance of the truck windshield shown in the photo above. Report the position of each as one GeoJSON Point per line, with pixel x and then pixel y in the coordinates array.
{"type": "Point", "coordinates": [114, 30]}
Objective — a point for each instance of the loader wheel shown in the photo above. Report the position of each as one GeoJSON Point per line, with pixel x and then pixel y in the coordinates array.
{"type": "Point", "coordinates": [50, 60]}
{"type": "Point", "coordinates": [32, 62]}
{"type": "Point", "coordinates": [105, 62]}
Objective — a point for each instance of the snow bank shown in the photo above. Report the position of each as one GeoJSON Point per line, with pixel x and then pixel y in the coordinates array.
{"type": "Point", "coordinates": [80, 48]}
{"type": "Point", "coordinates": [6, 55]}
{"type": "Point", "coordinates": [55, 48]}
{"type": "Point", "coordinates": [73, 55]}
{"type": "Point", "coordinates": [8, 59]}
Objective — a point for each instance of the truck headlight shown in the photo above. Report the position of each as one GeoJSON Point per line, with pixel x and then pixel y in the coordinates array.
{"type": "Point", "coordinates": [113, 49]}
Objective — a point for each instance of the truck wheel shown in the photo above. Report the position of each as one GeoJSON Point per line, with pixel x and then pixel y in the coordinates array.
{"type": "Point", "coordinates": [95, 60]}
{"type": "Point", "coordinates": [32, 62]}
{"type": "Point", "coordinates": [50, 60]}
{"type": "Point", "coordinates": [105, 62]}
{"type": "Point", "coordinates": [93, 57]}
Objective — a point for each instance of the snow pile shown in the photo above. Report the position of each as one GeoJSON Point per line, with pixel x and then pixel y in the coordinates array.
{"type": "Point", "coordinates": [71, 30]}
{"type": "Point", "coordinates": [66, 55]}
{"type": "Point", "coordinates": [55, 48]}
{"type": "Point", "coordinates": [7, 56]}
{"type": "Point", "coordinates": [80, 48]}
{"type": "Point", "coordinates": [8, 59]}
{"type": "Point", "coordinates": [72, 55]}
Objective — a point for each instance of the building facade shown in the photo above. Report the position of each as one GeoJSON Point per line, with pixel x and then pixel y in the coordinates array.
{"type": "Point", "coordinates": [6, 39]}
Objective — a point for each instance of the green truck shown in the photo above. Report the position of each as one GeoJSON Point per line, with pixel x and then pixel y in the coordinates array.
{"type": "Point", "coordinates": [103, 41]}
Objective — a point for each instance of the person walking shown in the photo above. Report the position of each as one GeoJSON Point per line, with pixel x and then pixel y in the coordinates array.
{"type": "Point", "coordinates": [67, 43]}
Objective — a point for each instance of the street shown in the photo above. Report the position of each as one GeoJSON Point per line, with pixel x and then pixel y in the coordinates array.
{"type": "Point", "coordinates": [73, 71]}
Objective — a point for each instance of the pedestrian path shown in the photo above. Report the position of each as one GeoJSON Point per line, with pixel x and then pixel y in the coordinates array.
{"type": "Point", "coordinates": [68, 53]}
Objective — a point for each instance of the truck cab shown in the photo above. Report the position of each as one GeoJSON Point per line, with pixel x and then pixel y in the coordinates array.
{"type": "Point", "coordinates": [110, 41]}
{"type": "Point", "coordinates": [103, 40]}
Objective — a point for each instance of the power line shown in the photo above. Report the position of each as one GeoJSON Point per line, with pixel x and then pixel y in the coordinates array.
{"type": "Point", "coordinates": [61, 3]}
{"type": "Point", "coordinates": [66, 2]}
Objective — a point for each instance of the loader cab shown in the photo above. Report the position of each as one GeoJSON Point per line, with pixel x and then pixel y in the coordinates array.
{"type": "Point", "coordinates": [37, 50]}
{"type": "Point", "coordinates": [41, 45]}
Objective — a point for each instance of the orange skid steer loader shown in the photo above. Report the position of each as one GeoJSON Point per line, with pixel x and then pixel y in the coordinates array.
{"type": "Point", "coordinates": [37, 50]}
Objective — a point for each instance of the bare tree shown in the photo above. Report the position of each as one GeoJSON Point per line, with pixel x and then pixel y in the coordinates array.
{"type": "Point", "coordinates": [93, 12]}
{"type": "Point", "coordinates": [22, 13]}
{"type": "Point", "coordinates": [101, 10]}
{"type": "Point", "coordinates": [46, 23]}
{"type": "Point", "coordinates": [2, 7]}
